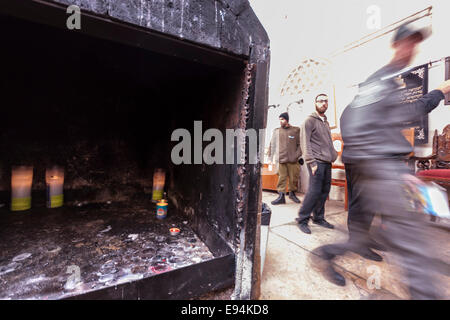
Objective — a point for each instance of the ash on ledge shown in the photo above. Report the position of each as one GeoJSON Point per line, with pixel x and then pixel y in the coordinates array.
{"type": "Point", "coordinates": [59, 253]}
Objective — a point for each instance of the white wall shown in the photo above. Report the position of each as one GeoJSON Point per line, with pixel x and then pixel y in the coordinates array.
{"type": "Point", "coordinates": [309, 29]}
{"type": "Point", "coordinates": [355, 65]}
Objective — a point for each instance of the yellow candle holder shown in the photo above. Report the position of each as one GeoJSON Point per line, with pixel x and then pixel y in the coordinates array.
{"type": "Point", "coordinates": [21, 182]}
{"type": "Point", "coordinates": [54, 178]}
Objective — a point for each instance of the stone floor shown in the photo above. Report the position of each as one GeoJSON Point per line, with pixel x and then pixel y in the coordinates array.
{"type": "Point", "coordinates": [107, 244]}
{"type": "Point", "coordinates": [292, 270]}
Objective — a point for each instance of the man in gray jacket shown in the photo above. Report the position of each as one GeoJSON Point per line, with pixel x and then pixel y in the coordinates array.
{"type": "Point", "coordinates": [319, 154]}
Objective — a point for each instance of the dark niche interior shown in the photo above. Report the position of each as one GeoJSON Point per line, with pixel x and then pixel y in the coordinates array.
{"type": "Point", "coordinates": [105, 112]}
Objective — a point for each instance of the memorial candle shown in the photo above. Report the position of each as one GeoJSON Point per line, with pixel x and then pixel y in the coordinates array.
{"type": "Point", "coordinates": [54, 177]}
{"type": "Point", "coordinates": [21, 181]}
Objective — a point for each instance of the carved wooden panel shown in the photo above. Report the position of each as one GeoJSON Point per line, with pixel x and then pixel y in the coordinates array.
{"type": "Point", "coordinates": [447, 76]}
{"type": "Point", "coordinates": [443, 145]}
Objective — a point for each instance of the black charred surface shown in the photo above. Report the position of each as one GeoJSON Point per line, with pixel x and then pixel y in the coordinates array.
{"type": "Point", "coordinates": [104, 111]}
{"type": "Point", "coordinates": [111, 244]}
{"type": "Point", "coordinates": [103, 101]}
{"type": "Point", "coordinates": [257, 97]}
{"type": "Point", "coordinates": [228, 25]}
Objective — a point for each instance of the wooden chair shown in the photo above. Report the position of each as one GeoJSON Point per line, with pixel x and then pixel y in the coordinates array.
{"type": "Point", "coordinates": [338, 144]}
{"type": "Point", "coordinates": [436, 167]}
{"type": "Point", "coordinates": [440, 156]}
{"type": "Point", "coordinates": [339, 147]}
{"type": "Point", "coordinates": [270, 178]}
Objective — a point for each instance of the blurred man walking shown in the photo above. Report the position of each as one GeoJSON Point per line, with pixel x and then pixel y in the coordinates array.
{"type": "Point", "coordinates": [374, 154]}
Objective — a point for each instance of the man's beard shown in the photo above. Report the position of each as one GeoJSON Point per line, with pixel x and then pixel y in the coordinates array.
{"type": "Point", "coordinates": [319, 110]}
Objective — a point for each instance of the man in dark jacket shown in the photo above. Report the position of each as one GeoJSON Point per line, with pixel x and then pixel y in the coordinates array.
{"type": "Point", "coordinates": [285, 152]}
{"type": "Point", "coordinates": [318, 154]}
{"type": "Point", "coordinates": [374, 154]}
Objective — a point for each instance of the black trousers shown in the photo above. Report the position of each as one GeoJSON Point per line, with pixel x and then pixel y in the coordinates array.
{"type": "Point", "coordinates": [378, 185]}
{"type": "Point", "coordinates": [358, 220]}
{"type": "Point", "coordinates": [317, 193]}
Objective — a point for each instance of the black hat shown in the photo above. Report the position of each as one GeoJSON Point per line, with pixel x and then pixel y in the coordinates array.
{"type": "Point", "coordinates": [284, 115]}
{"type": "Point", "coordinates": [407, 30]}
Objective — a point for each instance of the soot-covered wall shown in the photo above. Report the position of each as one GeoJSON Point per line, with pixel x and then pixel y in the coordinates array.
{"type": "Point", "coordinates": [102, 110]}
{"type": "Point", "coordinates": [209, 32]}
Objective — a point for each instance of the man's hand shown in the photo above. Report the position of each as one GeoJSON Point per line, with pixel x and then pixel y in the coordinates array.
{"type": "Point", "coordinates": [314, 169]}
{"type": "Point", "coordinates": [444, 87]}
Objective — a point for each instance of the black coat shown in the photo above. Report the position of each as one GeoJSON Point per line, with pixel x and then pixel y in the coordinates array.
{"type": "Point", "coordinates": [372, 124]}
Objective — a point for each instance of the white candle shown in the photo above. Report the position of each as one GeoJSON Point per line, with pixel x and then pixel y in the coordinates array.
{"type": "Point", "coordinates": [54, 177]}
{"type": "Point", "coordinates": [21, 181]}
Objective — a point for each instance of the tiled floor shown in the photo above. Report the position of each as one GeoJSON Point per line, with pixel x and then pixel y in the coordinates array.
{"type": "Point", "coordinates": [292, 269]}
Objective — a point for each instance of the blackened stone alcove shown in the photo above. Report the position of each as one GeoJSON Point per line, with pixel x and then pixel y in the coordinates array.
{"type": "Point", "coordinates": [103, 105]}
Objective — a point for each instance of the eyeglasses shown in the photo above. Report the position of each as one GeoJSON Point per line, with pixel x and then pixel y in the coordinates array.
{"type": "Point", "coordinates": [322, 101]}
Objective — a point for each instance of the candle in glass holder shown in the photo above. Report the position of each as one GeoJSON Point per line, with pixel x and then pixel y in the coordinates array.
{"type": "Point", "coordinates": [159, 178]}
{"type": "Point", "coordinates": [21, 181]}
{"type": "Point", "coordinates": [54, 178]}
